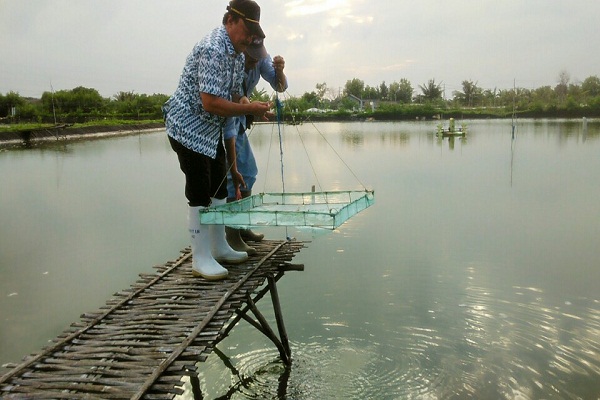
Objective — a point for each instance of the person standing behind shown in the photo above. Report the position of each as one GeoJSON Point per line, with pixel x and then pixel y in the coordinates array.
{"type": "Point", "coordinates": [209, 91]}
{"type": "Point", "coordinates": [239, 152]}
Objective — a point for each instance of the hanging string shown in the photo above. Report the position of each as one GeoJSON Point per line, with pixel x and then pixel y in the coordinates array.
{"type": "Point", "coordinates": [309, 161]}
{"type": "Point", "coordinates": [280, 121]}
{"type": "Point", "coordinates": [334, 151]}
{"type": "Point", "coordinates": [278, 109]}
{"type": "Point", "coordinates": [279, 112]}
{"type": "Point", "coordinates": [224, 180]}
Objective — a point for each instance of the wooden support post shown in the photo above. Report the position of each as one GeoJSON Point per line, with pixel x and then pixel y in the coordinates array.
{"type": "Point", "coordinates": [266, 329]}
{"type": "Point", "coordinates": [279, 317]}
{"type": "Point", "coordinates": [246, 308]}
{"type": "Point", "coordinates": [240, 314]}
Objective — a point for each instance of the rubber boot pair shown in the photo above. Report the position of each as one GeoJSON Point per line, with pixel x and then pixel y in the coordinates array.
{"type": "Point", "coordinates": [210, 247]}
{"type": "Point", "coordinates": [235, 240]}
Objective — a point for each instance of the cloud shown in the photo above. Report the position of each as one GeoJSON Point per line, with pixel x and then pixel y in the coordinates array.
{"type": "Point", "coordinates": [367, 70]}
{"type": "Point", "coordinates": [141, 45]}
{"type": "Point", "coordinates": [335, 12]}
{"type": "Point", "coordinates": [301, 8]}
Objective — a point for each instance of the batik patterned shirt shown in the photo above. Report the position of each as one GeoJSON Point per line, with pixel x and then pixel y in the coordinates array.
{"type": "Point", "coordinates": [212, 67]}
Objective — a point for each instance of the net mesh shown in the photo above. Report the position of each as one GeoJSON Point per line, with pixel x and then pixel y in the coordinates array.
{"type": "Point", "coordinates": [326, 210]}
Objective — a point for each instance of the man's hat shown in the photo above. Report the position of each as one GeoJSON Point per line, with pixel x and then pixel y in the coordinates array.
{"type": "Point", "coordinates": [257, 49]}
{"type": "Point", "coordinates": [249, 11]}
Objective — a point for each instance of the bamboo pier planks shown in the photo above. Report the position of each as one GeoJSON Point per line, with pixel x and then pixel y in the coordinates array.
{"type": "Point", "coordinates": [148, 336]}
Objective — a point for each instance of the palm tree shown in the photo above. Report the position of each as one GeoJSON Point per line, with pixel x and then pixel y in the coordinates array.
{"type": "Point", "coordinates": [469, 94]}
{"type": "Point", "coordinates": [431, 91]}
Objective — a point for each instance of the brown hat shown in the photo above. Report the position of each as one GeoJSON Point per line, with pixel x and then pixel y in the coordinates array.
{"type": "Point", "coordinates": [257, 49]}
{"type": "Point", "coordinates": [249, 11]}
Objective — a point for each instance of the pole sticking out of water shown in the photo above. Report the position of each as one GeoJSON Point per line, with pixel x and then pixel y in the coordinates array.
{"type": "Point", "coordinates": [53, 110]}
{"type": "Point", "coordinates": [514, 107]}
{"type": "Point", "coordinates": [512, 141]}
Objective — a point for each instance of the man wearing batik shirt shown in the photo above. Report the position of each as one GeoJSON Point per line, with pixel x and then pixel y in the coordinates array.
{"type": "Point", "coordinates": [209, 90]}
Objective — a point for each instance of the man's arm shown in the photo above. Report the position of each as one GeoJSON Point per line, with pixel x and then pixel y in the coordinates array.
{"type": "Point", "coordinates": [238, 180]}
{"type": "Point", "coordinates": [281, 79]}
{"type": "Point", "coordinates": [225, 108]}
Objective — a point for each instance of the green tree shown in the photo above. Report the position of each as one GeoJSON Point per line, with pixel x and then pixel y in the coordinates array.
{"type": "Point", "coordinates": [383, 91]}
{"type": "Point", "coordinates": [591, 86]}
{"type": "Point", "coordinates": [490, 97]}
{"type": "Point", "coordinates": [393, 91]}
{"type": "Point", "coordinates": [321, 90]}
{"type": "Point", "coordinates": [371, 93]}
{"type": "Point", "coordinates": [542, 98]}
{"type": "Point", "coordinates": [405, 91]}
{"type": "Point", "coordinates": [86, 99]}
{"type": "Point", "coordinates": [469, 94]}
{"type": "Point", "coordinates": [125, 96]}
{"type": "Point", "coordinates": [123, 103]}
{"type": "Point", "coordinates": [8, 102]}
{"type": "Point", "coordinates": [562, 88]}
{"type": "Point", "coordinates": [79, 100]}
{"type": "Point", "coordinates": [431, 91]}
{"type": "Point", "coordinates": [310, 100]}
{"type": "Point", "coordinates": [130, 104]}
{"type": "Point", "coordinates": [354, 87]}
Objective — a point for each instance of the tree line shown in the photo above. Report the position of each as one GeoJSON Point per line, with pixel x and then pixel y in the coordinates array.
{"type": "Point", "coordinates": [397, 100]}
{"type": "Point", "coordinates": [80, 105]}
{"type": "Point", "coordinates": [564, 99]}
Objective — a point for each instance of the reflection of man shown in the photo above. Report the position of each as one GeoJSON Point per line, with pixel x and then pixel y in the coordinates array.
{"type": "Point", "coordinates": [243, 169]}
{"type": "Point", "coordinates": [209, 90]}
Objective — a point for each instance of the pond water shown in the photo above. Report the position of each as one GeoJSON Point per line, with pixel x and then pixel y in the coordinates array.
{"type": "Point", "coordinates": [475, 275]}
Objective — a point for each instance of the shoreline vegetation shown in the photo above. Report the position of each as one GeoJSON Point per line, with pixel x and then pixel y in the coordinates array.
{"type": "Point", "coordinates": [83, 113]}
{"type": "Point", "coordinates": [28, 135]}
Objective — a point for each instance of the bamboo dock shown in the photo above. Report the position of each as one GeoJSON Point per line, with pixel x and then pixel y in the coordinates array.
{"type": "Point", "coordinates": [148, 337]}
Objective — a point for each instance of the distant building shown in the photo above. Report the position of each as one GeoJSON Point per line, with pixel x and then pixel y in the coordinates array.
{"type": "Point", "coordinates": [361, 103]}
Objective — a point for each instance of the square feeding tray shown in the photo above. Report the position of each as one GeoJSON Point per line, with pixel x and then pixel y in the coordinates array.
{"type": "Point", "coordinates": [326, 210]}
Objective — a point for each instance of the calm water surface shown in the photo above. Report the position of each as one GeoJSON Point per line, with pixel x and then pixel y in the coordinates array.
{"type": "Point", "coordinates": [475, 275]}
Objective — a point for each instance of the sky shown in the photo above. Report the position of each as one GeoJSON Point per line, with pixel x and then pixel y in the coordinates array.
{"type": "Point", "coordinates": [140, 46]}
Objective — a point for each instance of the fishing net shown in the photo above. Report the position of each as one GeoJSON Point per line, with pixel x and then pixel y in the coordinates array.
{"type": "Point", "coordinates": [326, 210]}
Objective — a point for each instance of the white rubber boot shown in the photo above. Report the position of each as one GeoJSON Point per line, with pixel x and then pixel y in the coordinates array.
{"type": "Point", "coordinates": [221, 250]}
{"type": "Point", "coordinates": [203, 263]}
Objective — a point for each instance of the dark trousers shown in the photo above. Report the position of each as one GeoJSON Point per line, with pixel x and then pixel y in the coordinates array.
{"type": "Point", "coordinates": [204, 177]}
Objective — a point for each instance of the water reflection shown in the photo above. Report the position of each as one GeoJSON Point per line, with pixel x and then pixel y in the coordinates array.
{"type": "Point", "coordinates": [353, 139]}
{"type": "Point", "coordinates": [474, 276]}
{"type": "Point", "coordinates": [451, 141]}
{"type": "Point", "coordinates": [503, 350]}
{"type": "Point", "coordinates": [566, 130]}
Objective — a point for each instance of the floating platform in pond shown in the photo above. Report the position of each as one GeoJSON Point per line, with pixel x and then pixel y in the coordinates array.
{"type": "Point", "coordinates": [326, 210]}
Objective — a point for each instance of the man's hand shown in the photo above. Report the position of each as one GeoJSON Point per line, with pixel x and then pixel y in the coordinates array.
{"type": "Point", "coordinates": [278, 63]}
{"type": "Point", "coordinates": [238, 182]}
{"type": "Point", "coordinates": [261, 110]}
